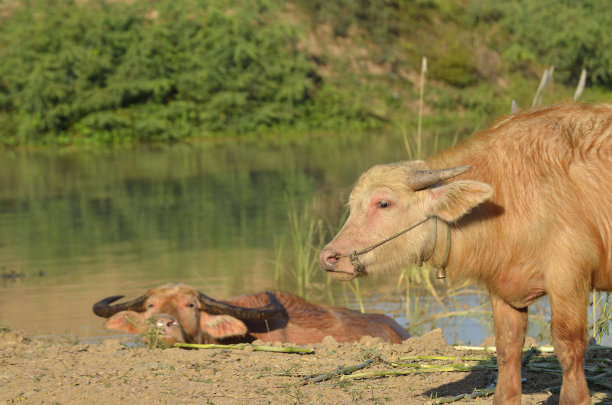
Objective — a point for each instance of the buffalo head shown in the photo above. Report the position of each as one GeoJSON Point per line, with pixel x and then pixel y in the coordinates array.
{"type": "Point", "coordinates": [183, 313]}
{"type": "Point", "coordinates": [389, 199]}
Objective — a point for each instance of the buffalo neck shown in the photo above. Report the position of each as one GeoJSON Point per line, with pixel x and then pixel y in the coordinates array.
{"type": "Point", "coordinates": [471, 252]}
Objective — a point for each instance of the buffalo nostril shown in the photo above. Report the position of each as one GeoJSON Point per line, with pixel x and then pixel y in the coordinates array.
{"type": "Point", "coordinates": [327, 258]}
{"type": "Point", "coordinates": [171, 323]}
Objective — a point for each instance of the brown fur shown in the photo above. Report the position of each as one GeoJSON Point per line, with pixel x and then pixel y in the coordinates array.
{"type": "Point", "coordinates": [532, 217]}
{"type": "Point", "coordinates": [300, 321]}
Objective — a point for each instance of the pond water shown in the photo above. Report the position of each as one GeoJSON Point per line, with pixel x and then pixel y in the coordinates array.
{"type": "Point", "coordinates": [78, 226]}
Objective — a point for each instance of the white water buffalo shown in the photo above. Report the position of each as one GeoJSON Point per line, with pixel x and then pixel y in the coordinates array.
{"type": "Point", "coordinates": [524, 207]}
{"type": "Point", "coordinates": [185, 314]}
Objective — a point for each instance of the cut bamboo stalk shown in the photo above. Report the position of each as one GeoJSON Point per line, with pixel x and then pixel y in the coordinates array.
{"type": "Point", "coordinates": [243, 346]}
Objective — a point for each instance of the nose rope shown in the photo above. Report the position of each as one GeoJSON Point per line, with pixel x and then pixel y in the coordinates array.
{"type": "Point", "coordinates": [359, 268]}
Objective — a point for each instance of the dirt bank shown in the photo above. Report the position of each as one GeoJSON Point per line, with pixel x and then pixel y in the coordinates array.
{"type": "Point", "coordinates": [60, 370]}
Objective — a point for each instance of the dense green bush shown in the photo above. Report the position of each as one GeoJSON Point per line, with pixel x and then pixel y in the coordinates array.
{"type": "Point", "coordinates": [153, 70]}
{"type": "Point", "coordinates": [455, 66]}
{"type": "Point", "coordinates": [570, 35]}
{"type": "Point", "coordinates": [102, 71]}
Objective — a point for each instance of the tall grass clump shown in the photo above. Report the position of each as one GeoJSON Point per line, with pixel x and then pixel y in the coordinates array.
{"type": "Point", "coordinates": [297, 265]}
{"type": "Point", "coordinates": [307, 238]}
{"type": "Point", "coordinates": [600, 326]}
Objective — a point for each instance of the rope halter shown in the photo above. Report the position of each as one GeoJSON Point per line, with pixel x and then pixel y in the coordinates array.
{"type": "Point", "coordinates": [359, 268]}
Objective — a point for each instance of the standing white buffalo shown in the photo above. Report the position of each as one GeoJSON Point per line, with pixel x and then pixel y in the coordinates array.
{"type": "Point", "coordinates": [524, 207]}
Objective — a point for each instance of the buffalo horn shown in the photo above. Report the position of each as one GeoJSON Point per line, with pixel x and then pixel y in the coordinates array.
{"type": "Point", "coordinates": [424, 178]}
{"type": "Point", "coordinates": [105, 310]}
{"type": "Point", "coordinates": [222, 308]}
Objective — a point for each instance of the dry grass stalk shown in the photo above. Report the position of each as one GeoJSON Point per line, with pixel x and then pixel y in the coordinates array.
{"type": "Point", "coordinates": [243, 346]}
{"type": "Point", "coordinates": [581, 83]}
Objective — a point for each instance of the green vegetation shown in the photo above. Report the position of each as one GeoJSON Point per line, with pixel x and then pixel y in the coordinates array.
{"type": "Point", "coordinates": [307, 239]}
{"type": "Point", "coordinates": [108, 72]}
{"type": "Point", "coordinates": [148, 70]}
{"type": "Point", "coordinates": [601, 316]}
{"type": "Point", "coordinates": [566, 34]}
{"type": "Point", "coordinates": [152, 335]}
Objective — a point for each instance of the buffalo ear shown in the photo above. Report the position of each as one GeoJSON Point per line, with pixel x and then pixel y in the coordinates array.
{"type": "Point", "coordinates": [453, 200]}
{"type": "Point", "coordinates": [126, 321]}
{"type": "Point", "coordinates": [222, 326]}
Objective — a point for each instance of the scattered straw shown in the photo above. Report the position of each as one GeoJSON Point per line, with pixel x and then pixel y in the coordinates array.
{"type": "Point", "coordinates": [598, 370]}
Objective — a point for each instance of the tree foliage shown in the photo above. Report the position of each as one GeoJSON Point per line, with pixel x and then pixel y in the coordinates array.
{"type": "Point", "coordinates": [570, 35]}
{"type": "Point", "coordinates": [105, 71]}
{"type": "Point", "coordinates": [152, 70]}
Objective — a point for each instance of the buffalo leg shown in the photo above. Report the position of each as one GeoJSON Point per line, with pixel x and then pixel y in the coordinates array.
{"type": "Point", "coordinates": [568, 330]}
{"type": "Point", "coordinates": [510, 328]}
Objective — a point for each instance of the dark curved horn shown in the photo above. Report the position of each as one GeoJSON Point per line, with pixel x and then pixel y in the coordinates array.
{"type": "Point", "coordinates": [222, 308]}
{"type": "Point", "coordinates": [103, 309]}
{"type": "Point", "coordinates": [424, 178]}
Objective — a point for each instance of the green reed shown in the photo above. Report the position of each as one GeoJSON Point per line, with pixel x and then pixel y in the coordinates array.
{"type": "Point", "coordinates": [306, 236]}
{"type": "Point", "coordinates": [601, 324]}
{"type": "Point", "coordinates": [296, 267]}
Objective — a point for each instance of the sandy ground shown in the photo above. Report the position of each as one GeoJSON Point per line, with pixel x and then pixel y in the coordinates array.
{"type": "Point", "coordinates": [61, 370]}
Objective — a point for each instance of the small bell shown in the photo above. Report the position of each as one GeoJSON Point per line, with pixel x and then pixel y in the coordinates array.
{"type": "Point", "coordinates": [441, 273]}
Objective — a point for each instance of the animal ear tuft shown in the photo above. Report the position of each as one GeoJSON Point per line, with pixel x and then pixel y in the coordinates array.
{"type": "Point", "coordinates": [126, 321]}
{"type": "Point", "coordinates": [222, 326]}
{"type": "Point", "coordinates": [419, 165]}
{"type": "Point", "coordinates": [455, 199]}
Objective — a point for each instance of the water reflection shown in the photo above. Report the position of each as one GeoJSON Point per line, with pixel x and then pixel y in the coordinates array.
{"type": "Point", "coordinates": [119, 222]}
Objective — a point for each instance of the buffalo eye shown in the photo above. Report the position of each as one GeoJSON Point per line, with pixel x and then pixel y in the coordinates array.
{"type": "Point", "coordinates": [190, 305]}
{"type": "Point", "coordinates": [383, 204]}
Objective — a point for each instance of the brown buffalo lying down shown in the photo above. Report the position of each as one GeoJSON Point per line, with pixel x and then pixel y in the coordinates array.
{"type": "Point", "coordinates": [186, 315]}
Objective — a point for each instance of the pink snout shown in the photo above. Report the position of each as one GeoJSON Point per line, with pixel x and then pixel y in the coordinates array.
{"type": "Point", "coordinates": [170, 328]}
{"type": "Point", "coordinates": [165, 321]}
{"type": "Point", "coordinates": [327, 259]}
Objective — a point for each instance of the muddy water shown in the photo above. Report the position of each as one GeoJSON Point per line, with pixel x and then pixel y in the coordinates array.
{"type": "Point", "coordinates": [77, 226]}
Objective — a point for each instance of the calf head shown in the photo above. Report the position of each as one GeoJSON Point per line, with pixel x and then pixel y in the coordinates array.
{"type": "Point", "coordinates": [182, 314]}
{"type": "Point", "coordinates": [388, 199]}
